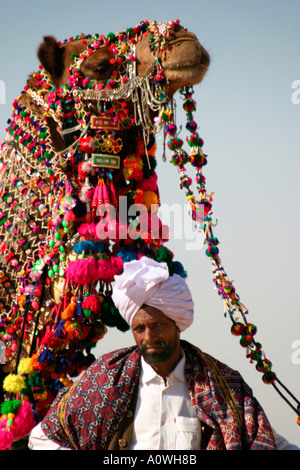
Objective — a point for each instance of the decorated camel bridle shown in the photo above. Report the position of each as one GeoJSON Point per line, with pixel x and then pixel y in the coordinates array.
{"type": "Point", "coordinates": [60, 225]}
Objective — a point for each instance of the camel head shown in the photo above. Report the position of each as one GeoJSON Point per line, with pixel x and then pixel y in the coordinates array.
{"type": "Point", "coordinates": [183, 59]}
{"type": "Point", "coordinates": [102, 69]}
{"type": "Point", "coordinates": [81, 141]}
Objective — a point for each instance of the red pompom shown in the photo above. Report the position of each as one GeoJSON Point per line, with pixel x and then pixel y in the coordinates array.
{"type": "Point", "coordinates": [86, 144]}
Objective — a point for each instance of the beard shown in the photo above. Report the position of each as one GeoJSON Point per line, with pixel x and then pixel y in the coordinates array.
{"type": "Point", "coordinates": [157, 357]}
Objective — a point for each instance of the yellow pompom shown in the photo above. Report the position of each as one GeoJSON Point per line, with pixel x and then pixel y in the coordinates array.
{"type": "Point", "coordinates": [41, 396]}
{"type": "Point", "coordinates": [25, 366]}
{"type": "Point", "coordinates": [151, 198]}
{"type": "Point", "coordinates": [66, 381]}
{"type": "Point", "coordinates": [133, 168]}
{"type": "Point", "coordinates": [21, 300]}
{"type": "Point", "coordinates": [14, 383]}
{"type": "Point", "coordinates": [133, 161]}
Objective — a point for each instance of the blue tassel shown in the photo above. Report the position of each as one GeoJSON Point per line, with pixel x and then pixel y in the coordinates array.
{"type": "Point", "coordinates": [179, 269]}
{"type": "Point", "coordinates": [127, 255]}
{"type": "Point", "coordinates": [78, 312]}
{"type": "Point", "coordinates": [46, 356]}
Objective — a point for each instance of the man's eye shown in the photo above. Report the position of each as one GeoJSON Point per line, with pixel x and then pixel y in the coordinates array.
{"type": "Point", "coordinates": [138, 329]}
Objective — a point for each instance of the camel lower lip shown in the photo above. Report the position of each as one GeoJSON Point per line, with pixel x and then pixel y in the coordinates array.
{"type": "Point", "coordinates": [178, 68]}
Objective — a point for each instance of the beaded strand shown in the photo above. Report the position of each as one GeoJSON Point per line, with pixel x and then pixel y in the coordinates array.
{"type": "Point", "coordinates": [201, 212]}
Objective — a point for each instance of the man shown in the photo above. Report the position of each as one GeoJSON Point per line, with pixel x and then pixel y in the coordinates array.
{"type": "Point", "coordinates": [164, 393]}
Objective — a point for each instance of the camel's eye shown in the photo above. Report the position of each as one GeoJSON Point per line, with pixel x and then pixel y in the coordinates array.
{"type": "Point", "coordinates": [97, 68]}
{"type": "Point", "coordinates": [102, 68]}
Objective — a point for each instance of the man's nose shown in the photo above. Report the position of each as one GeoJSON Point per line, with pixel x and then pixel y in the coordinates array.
{"type": "Point", "coordinates": [149, 336]}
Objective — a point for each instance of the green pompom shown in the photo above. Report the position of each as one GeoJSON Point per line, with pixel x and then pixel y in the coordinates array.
{"type": "Point", "coordinates": [110, 315]}
{"type": "Point", "coordinates": [10, 406]}
{"type": "Point", "coordinates": [162, 254]}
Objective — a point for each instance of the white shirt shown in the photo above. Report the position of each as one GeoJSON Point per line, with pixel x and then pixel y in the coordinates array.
{"type": "Point", "coordinates": [164, 416]}
{"type": "Point", "coordinates": [39, 441]}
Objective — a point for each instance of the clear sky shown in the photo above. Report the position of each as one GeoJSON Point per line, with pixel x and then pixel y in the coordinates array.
{"type": "Point", "coordinates": [249, 119]}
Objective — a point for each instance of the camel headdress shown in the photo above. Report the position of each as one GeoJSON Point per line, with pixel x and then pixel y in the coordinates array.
{"type": "Point", "coordinates": [80, 145]}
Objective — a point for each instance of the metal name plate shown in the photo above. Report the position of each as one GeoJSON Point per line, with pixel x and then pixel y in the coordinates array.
{"type": "Point", "coordinates": [105, 161]}
{"type": "Point", "coordinates": [104, 122]}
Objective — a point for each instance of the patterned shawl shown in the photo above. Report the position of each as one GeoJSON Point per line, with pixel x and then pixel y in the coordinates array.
{"type": "Point", "coordinates": [87, 415]}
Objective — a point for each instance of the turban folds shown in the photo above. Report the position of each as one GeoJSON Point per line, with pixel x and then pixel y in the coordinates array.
{"type": "Point", "coordinates": [146, 281]}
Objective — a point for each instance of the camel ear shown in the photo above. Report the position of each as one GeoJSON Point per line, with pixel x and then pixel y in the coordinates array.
{"type": "Point", "coordinates": [51, 57]}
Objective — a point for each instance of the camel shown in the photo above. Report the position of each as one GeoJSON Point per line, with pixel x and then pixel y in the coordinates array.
{"type": "Point", "coordinates": [81, 139]}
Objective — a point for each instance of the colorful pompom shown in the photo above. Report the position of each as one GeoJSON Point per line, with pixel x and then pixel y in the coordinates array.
{"type": "Point", "coordinates": [25, 366]}
{"type": "Point", "coordinates": [14, 383]}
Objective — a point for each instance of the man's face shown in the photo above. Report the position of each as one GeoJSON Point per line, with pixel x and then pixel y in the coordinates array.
{"type": "Point", "coordinates": [156, 335]}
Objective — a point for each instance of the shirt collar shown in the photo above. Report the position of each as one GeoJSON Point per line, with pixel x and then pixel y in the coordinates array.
{"type": "Point", "coordinates": [148, 373]}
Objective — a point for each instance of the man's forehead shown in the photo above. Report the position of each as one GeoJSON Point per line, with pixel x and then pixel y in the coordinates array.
{"type": "Point", "coordinates": [149, 314]}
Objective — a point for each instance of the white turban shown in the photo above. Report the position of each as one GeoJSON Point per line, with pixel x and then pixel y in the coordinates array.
{"type": "Point", "coordinates": [146, 281]}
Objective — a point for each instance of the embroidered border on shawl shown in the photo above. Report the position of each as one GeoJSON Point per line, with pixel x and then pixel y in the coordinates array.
{"type": "Point", "coordinates": [225, 390]}
{"type": "Point", "coordinates": [61, 413]}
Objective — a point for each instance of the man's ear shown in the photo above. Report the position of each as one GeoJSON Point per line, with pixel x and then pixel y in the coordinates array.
{"type": "Point", "coordinates": [51, 57]}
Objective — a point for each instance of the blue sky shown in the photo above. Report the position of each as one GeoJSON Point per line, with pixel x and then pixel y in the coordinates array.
{"type": "Point", "coordinates": [250, 127]}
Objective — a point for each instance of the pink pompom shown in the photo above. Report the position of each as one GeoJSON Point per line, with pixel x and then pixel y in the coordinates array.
{"type": "Point", "coordinates": [6, 439]}
{"type": "Point", "coordinates": [117, 264]}
{"type": "Point", "coordinates": [149, 183]}
{"type": "Point", "coordinates": [108, 268]}
{"type": "Point", "coordinates": [21, 426]}
{"type": "Point", "coordinates": [87, 231]}
{"type": "Point", "coordinates": [24, 421]}
{"type": "Point", "coordinates": [85, 81]}
{"type": "Point", "coordinates": [104, 270]}
{"type": "Point", "coordinates": [82, 271]}
{"type": "Point", "coordinates": [69, 216]}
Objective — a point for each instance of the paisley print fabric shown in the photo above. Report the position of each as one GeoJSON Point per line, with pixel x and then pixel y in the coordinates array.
{"type": "Point", "coordinates": [87, 415]}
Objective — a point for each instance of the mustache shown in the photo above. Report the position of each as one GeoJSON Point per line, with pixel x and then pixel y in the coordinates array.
{"type": "Point", "coordinates": [143, 348]}
{"type": "Point", "coordinates": [156, 357]}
